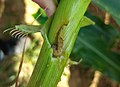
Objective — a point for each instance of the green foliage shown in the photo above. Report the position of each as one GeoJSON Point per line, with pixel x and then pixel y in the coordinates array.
{"type": "Point", "coordinates": [95, 45]}
{"type": "Point", "coordinates": [43, 18]}
{"type": "Point", "coordinates": [110, 6]}
{"type": "Point", "coordinates": [85, 21]}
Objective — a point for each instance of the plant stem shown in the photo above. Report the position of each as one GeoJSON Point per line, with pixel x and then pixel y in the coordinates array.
{"type": "Point", "coordinates": [48, 69]}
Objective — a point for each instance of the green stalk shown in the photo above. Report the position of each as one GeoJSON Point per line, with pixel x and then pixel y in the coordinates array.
{"type": "Point", "coordinates": [48, 69]}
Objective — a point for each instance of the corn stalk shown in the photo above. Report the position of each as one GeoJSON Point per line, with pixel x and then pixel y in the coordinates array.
{"type": "Point", "coordinates": [59, 33]}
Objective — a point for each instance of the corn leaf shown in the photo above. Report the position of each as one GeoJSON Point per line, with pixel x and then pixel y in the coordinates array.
{"type": "Point", "coordinates": [95, 45]}
{"type": "Point", "coordinates": [110, 6]}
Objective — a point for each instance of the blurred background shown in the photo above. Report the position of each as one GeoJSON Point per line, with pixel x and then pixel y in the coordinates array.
{"type": "Point", "coordinates": [95, 56]}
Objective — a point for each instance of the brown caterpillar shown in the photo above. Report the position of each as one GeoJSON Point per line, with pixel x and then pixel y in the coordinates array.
{"type": "Point", "coordinates": [58, 48]}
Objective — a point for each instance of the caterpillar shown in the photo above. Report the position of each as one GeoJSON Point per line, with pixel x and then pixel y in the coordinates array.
{"type": "Point", "coordinates": [58, 48]}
